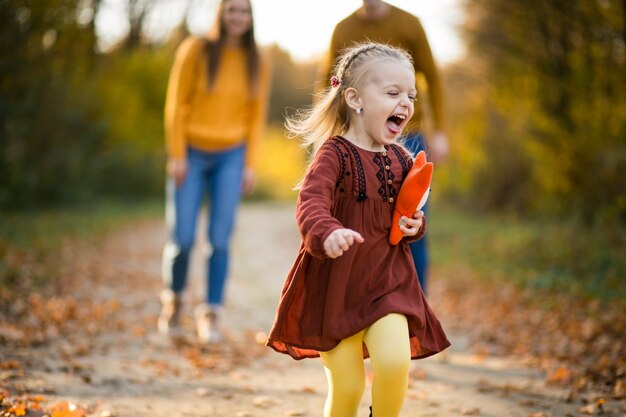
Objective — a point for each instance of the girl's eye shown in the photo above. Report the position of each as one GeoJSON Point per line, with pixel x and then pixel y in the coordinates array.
{"type": "Point", "coordinates": [411, 97]}
{"type": "Point", "coordinates": [393, 93]}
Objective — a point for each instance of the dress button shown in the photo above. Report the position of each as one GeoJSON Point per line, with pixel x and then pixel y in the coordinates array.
{"type": "Point", "coordinates": [384, 153]}
{"type": "Point", "coordinates": [389, 182]}
{"type": "Point", "coordinates": [391, 199]}
{"type": "Point", "coordinates": [387, 167]}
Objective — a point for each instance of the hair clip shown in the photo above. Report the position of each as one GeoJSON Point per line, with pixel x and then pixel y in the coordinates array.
{"type": "Point", "coordinates": [334, 81]}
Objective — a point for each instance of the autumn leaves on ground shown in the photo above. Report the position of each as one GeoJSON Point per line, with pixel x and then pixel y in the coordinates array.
{"type": "Point", "coordinates": [78, 339]}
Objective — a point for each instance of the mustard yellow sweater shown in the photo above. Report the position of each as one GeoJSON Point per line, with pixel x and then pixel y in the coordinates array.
{"type": "Point", "coordinates": [398, 28]}
{"type": "Point", "coordinates": [228, 115]}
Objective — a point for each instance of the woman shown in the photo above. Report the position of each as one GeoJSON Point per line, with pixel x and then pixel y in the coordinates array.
{"type": "Point", "coordinates": [215, 112]}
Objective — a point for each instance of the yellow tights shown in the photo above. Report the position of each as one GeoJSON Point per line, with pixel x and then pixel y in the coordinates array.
{"type": "Point", "coordinates": [387, 341]}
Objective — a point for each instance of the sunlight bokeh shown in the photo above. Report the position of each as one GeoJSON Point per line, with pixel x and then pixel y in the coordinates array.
{"type": "Point", "coordinates": [302, 28]}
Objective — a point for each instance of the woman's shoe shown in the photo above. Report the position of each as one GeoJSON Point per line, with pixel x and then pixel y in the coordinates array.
{"type": "Point", "coordinates": [207, 324]}
{"type": "Point", "coordinates": [169, 319]}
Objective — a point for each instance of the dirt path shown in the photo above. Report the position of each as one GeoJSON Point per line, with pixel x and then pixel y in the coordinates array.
{"type": "Point", "coordinates": [122, 368]}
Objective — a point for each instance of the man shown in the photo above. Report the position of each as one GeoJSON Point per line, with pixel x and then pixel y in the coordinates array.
{"type": "Point", "coordinates": [378, 21]}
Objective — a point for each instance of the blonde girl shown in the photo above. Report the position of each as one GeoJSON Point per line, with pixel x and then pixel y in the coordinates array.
{"type": "Point", "coordinates": [350, 294]}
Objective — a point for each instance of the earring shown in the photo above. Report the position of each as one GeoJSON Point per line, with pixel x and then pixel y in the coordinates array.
{"type": "Point", "coordinates": [358, 110]}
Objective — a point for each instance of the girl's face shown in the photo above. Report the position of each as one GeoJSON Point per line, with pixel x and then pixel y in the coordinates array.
{"type": "Point", "coordinates": [386, 96]}
{"type": "Point", "coordinates": [236, 17]}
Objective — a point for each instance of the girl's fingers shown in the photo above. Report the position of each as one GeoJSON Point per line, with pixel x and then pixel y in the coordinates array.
{"type": "Point", "coordinates": [340, 241]}
{"type": "Point", "coordinates": [410, 227]}
{"type": "Point", "coordinates": [358, 237]}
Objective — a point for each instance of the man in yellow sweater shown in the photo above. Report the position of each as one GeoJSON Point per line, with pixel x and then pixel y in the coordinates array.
{"type": "Point", "coordinates": [215, 112]}
{"type": "Point", "coordinates": [378, 21]}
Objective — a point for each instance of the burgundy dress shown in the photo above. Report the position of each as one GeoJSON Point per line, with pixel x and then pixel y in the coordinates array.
{"type": "Point", "coordinates": [324, 300]}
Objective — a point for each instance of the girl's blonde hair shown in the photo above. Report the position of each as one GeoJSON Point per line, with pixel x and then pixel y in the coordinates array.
{"type": "Point", "coordinates": [329, 115]}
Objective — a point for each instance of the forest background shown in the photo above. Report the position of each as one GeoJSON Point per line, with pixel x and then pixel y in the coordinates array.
{"type": "Point", "coordinates": [537, 123]}
{"type": "Point", "coordinates": [532, 196]}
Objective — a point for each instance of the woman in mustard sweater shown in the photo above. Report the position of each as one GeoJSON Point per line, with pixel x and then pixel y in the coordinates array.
{"type": "Point", "coordinates": [215, 112]}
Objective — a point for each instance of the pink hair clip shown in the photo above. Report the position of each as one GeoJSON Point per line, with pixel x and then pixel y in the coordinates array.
{"type": "Point", "coordinates": [334, 81]}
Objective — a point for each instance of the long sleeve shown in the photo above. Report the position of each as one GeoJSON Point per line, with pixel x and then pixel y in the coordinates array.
{"type": "Point", "coordinates": [315, 202]}
{"type": "Point", "coordinates": [425, 63]}
{"type": "Point", "coordinates": [179, 96]}
{"type": "Point", "coordinates": [258, 120]}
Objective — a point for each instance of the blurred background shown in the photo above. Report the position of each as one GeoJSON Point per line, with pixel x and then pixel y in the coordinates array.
{"type": "Point", "coordinates": [527, 220]}
{"type": "Point", "coordinates": [535, 92]}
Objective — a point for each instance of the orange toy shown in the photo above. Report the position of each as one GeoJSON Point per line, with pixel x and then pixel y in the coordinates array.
{"type": "Point", "coordinates": [412, 195]}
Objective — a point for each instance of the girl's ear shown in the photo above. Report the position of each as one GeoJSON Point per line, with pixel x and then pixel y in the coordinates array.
{"type": "Point", "coordinates": [353, 98]}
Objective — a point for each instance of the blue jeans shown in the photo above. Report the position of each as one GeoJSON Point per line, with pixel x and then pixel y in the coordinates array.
{"type": "Point", "coordinates": [414, 142]}
{"type": "Point", "coordinates": [220, 175]}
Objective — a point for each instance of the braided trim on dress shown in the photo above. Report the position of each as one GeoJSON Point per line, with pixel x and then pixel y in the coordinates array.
{"type": "Point", "coordinates": [360, 173]}
{"type": "Point", "coordinates": [403, 157]}
{"type": "Point", "coordinates": [342, 162]}
{"type": "Point", "coordinates": [382, 190]}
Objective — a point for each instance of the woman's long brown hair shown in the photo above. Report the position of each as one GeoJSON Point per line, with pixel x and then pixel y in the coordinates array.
{"type": "Point", "coordinates": [215, 45]}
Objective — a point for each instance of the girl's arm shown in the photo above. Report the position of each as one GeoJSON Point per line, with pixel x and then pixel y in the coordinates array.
{"type": "Point", "coordinates": [315, 202]}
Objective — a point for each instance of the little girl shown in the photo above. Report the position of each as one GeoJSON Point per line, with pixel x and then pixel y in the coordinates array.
{"type": "Point", "coordinates": [350, 294]}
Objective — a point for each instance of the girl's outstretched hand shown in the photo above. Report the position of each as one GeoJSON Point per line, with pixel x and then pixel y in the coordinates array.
{"type": "Point", "coordinates": [340, 241]}
{"type": "Point", "coordinates": [410, 227]}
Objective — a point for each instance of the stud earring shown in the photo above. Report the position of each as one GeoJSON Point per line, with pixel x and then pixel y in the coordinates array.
{"type": "Point", "coordinates": [358, 110]}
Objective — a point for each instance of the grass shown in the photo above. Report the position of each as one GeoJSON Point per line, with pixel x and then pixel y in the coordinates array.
{"type": "Point", "coordinates": [44, 229]}
{"type": "Point", "coordinates": [29, 240]}
{"type": "Point", "coordinates": [541, 254]}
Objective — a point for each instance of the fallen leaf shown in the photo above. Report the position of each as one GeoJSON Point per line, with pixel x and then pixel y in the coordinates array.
{"type": "Point", "coordinates": [66, 409]}
{"type": "Point", "coordinates": [559, 376]}
{"type": "Point", "coordinates": [309, 390]}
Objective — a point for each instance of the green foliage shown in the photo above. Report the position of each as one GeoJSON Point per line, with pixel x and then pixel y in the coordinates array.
{"type": "Point", "coordinates": [46, 116]}
{"type": "Point", "coordinates": [131, 88]}
{"type": "Point", "coordinates": [78, 125]}
{"type": "Point", "coordinates": [545, 103]}
{"type": "Point", "coordinates": [546, 255]}
{"type": "Point", "coordinates": [281, 166]}
{"type": "Point", "coordinates": [292, 85]}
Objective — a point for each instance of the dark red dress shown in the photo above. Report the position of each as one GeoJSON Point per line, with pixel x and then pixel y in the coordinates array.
{"type": "Point", "coordinates": [324, 300]}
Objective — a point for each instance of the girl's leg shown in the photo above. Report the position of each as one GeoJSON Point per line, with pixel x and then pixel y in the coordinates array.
{"type": "Point", "coordinates": [346, 377]}
{"type": "Point", "coordinates": [388, 343]}
{"type": "Point", "coordinates": [225, 194]}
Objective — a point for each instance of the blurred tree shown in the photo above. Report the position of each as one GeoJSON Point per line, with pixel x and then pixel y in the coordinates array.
{"type": "Point", "coordinates": [78, 123]}
{"type": "Point", "coordinates": [46, 114]}
{"type": "Point", "coordinates": [292, 84]}
{"type": "Point", "coordinates": [137, 10]}
{"type": "Point", "coordinates": [554, 105]}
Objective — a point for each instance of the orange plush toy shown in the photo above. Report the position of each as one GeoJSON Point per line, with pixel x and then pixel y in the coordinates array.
{"type": "Point", "coordinates": [412, 195]}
